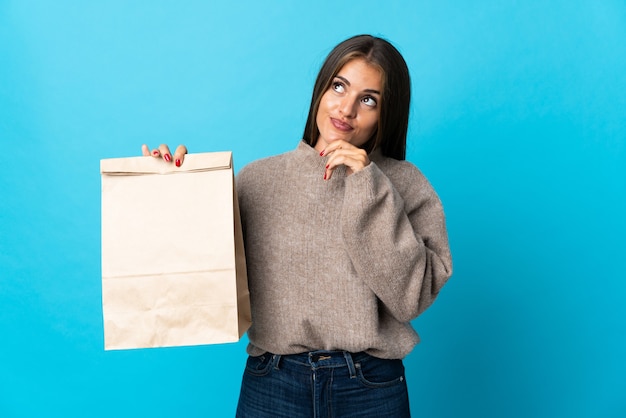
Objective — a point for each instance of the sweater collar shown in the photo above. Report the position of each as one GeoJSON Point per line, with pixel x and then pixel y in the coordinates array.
{"type": "Point", "coordinates": [308, 157]}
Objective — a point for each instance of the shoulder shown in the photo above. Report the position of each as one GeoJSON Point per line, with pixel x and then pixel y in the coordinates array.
{"type": "Point", "coordinates": [409, 181]}
{"type": "Point", "coordinates": [258, 176]}
{"type": "Point", "coordinates": [402, 173]}
{"type": "Point", "coordinates": [263, 166]}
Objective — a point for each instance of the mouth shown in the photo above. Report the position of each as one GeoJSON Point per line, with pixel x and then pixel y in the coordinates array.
{"type": "Point", "coordinates": [340, 125]}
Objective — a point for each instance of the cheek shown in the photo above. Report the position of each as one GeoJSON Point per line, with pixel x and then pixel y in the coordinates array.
{"type": "Point", "coordinates": [318, 117]}
{"type": "Point", "coordinates": [325, 103]}
{"type": "Point", "coordinates": [371, 122]}
{"type": "Point", "coordinates": [322, 110]}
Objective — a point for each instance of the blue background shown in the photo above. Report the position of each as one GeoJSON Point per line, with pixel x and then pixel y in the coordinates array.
{"type": "Point", "coordinates": [518, 120]}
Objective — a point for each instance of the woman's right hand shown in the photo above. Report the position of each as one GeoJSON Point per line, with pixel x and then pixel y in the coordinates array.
{"type": "Point", "coordinates": [163, 151]}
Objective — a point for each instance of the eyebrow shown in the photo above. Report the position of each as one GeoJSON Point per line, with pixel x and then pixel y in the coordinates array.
{"type": "Point", "coordinates": [345, 80]}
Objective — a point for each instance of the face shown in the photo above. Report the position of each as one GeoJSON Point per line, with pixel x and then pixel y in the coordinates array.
{"type": "Point", "coordinates": [350, 108]}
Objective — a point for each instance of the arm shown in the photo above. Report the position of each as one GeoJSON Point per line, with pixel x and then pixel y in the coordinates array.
{"type": "Point", "coordinates": [398, 243]}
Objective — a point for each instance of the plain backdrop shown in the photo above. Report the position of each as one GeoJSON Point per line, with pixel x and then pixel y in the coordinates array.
{"type": "Point", "coordinates": [518, 120]}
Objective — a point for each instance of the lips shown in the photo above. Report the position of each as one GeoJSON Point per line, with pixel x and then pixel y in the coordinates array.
{"type": "Point", "coordinates": [340, 125]}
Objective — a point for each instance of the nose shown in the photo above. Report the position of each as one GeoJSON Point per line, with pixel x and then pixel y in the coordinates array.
{"type": "Point", "coordinates": [347, 107]}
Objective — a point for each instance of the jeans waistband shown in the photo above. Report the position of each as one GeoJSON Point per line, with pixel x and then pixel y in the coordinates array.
{"type": "Point", "coordinates": [322, 359]}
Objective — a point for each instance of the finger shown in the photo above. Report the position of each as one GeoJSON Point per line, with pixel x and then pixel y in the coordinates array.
{"type": "Point", "coordinates": [328, 172]}
{"type": "Point", "coordinates": [354, 160]}
{"type": "Point", "coordinates": [164, 150]}
{"type": "Point", "coordinates": [331, 166]}
{"type": "Point", "coordinates": [145, 151]}
{"type": "Point", "coordinates": [336, 145]}
{"type": "Point", "coordinates": [179, 155]}
{"type": "Point", "coordinates": [330, 152]}
{"type": "Point", "coordinates": [336, 157]}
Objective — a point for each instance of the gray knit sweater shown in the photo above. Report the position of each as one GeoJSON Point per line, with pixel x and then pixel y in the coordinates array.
{"type": "Point", "coordinates": [339, 264]}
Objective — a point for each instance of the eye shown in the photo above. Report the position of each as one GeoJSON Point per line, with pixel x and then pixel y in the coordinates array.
{"type": "Point", "coordinates": [369, 101]}
{"type": "Point", "coordinates": [338, 86]}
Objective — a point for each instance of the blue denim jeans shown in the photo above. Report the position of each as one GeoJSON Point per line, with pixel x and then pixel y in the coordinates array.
{"type": "Point", "coordinates": [323, 384]}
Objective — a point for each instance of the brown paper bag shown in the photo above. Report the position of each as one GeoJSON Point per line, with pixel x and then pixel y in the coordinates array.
{"type": "Point", "coordinates": [173, 266]}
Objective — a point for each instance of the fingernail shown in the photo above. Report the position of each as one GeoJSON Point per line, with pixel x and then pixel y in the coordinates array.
{"type": "Point", "coordinates": [322, 153]}
{"type": "Point", "coordinates": [324, 175]}
{"type": "Point", "coordinates": [177, 163]}
{"type": "Point", "coordinates": [167, 158]}
{"type": "Point", "coordinates": [155, 152]}
{"type": "Point", "coordinates": [327, 165]}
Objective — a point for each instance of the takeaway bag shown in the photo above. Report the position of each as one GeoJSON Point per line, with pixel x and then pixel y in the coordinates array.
{"type": "Point", "coordinates": [173, 264]}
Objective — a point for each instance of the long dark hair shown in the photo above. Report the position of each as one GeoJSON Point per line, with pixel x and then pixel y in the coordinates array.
{"type": "Point", "coordinates": [390, 135]}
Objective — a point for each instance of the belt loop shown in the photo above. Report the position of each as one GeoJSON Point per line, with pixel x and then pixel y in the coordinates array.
{"type": "Point", "coordinates": [276, 360]}
{"type": "Point", "coordinates": [350, 363]}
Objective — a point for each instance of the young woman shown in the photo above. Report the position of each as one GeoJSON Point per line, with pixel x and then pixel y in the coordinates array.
{"type": "Point", "coordinates": [345, 243]}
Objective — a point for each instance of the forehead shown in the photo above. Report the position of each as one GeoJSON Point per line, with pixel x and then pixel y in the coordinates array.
{"type": "Point", "coordinates": [360, 73]}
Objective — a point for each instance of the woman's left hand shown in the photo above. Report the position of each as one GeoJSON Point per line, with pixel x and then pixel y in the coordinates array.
{"type": "Point", "coordinates": [344, 153]}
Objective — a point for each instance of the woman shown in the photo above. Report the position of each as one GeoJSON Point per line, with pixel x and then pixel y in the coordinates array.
{"type": "Point", "coordinates": [345, 243]}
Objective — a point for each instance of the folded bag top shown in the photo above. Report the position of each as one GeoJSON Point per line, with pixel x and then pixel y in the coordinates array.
{"type": "Point", "coordinates": [150, 165]}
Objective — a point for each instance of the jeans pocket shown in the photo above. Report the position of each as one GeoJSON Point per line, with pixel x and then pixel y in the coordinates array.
{"type": "Point", "coordinates": [380, 373]}
{"type": "Point", "coordinates": [259, 366]}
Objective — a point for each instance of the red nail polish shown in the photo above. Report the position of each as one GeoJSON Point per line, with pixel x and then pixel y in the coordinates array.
{"type": "Point", "coordinates": [327, 165]}
{"type": "Point", "coordinates": [322, 153]}
{"type": "Point", "coordinates": [324, 175]}
{"type": "Point", "coordinates": [177, 163]}
{"type": "Point", "coordinates": [167, 158]}
{"type": "Point", "coordinates": [155, 152]}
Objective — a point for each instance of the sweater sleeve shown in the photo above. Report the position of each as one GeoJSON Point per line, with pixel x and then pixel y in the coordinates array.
{"type": "Point", "coordinates": [397, 242]}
